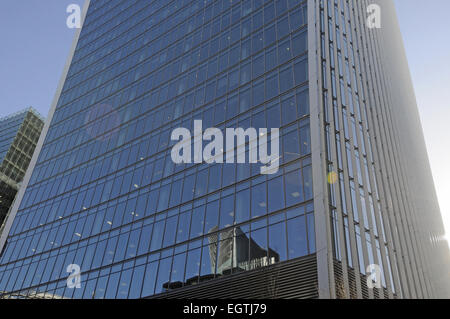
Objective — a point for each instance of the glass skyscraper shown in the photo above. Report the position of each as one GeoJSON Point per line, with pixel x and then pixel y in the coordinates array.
{"type": "Point", "coordinates": [105, 194]}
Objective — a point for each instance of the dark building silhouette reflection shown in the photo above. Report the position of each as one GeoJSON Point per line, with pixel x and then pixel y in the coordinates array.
{"type": "Point", "coordinates": [230, 251]}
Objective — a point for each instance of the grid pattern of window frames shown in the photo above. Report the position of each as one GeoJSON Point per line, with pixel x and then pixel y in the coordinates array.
{"type": "Point", "coordinates": [9, 128]}
{"type": "Point", "coordinates": [105, 193]}
{"type": "Point", "coordinates": [19, 139]}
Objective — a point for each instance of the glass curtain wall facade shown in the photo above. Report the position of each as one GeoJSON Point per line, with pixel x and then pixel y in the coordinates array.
{"type": "Point", "coordinates": [105, 194]}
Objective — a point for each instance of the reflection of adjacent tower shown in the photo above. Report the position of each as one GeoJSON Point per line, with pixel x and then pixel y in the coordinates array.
{"type": "Point", "coordinates": [213, 241]}
{"type": "Point", "coordinates": [237, 252]}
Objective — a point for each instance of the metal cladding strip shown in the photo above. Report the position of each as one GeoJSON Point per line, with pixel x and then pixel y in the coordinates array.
{"type": "Point", "coordinates": [26, 180]}
{"type": "Point", "coordinates": [401, 150]}
{"type": "Point", "coordinates": [328, 105]}
{"type": "Point", "coordinates": [321, 211]}
{"type": "Point", "coordinates": [392, 156]}
{"type": "Point", "coordinates": [379, 154]}
{"type": "Point", "coordinates": [373, 100]}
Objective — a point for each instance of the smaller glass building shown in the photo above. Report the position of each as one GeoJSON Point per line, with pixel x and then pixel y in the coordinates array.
{"type": "Point", "coordinates": [19, 134]}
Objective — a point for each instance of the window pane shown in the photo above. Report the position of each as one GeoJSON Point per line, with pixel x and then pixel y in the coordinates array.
{"type": "Point", "coordinates": [197, 223]}
{"type": "Point", "coordinates": [297, 237]}
{"type": "Point", "coordinates": [157, 236]}
{"type": "Point", "coordinates": [226, 211]}
{"type": "Point", "coordinates": [291, 146]}
{"type": "Point", "coordinates": [193, 265]}
{"type": "Point", "coordinates": [242, 206]}
{"type": "Point", "coordinates": [144, 241]}
{"type": "Point", "coordinates": [294, 189]}
{"type": "Point", "coordinates": [179, 263]}
{"type": "Point", "coordinates": [242, 249]}
{"type": "Point", "coordinates": [212, 217]}
{"type": "Point", "coordinates": [112, 286]}
{"type": "Point", "coordinates": [136, 284]}
{"type": "Point", "coordinates": [288, 110]}
{"type": "Point", "coordinates": [259, 200]}
{"type": "Point", "coordinates": [183, 227]}
{"type": "Point", "coordinates": [208, 262]}
{"type": "Point", "coordinates": [276, 194]}
{"type": "Point", "coordinates": [163, 275]}
{"type": "Point", "coordinates": [307, 180]}
{"type": "Point", "coordinates": [301, 71]}
{"type": "Point", "coordinates": [258, 247]}
{"type": "Point", "coordinates": [277, 241]}
{"type": "Point", "coordinates": [124, 284]}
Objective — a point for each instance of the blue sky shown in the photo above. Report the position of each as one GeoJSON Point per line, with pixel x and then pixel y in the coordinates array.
{"type": "Point", "coordinates": [35, 42]}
